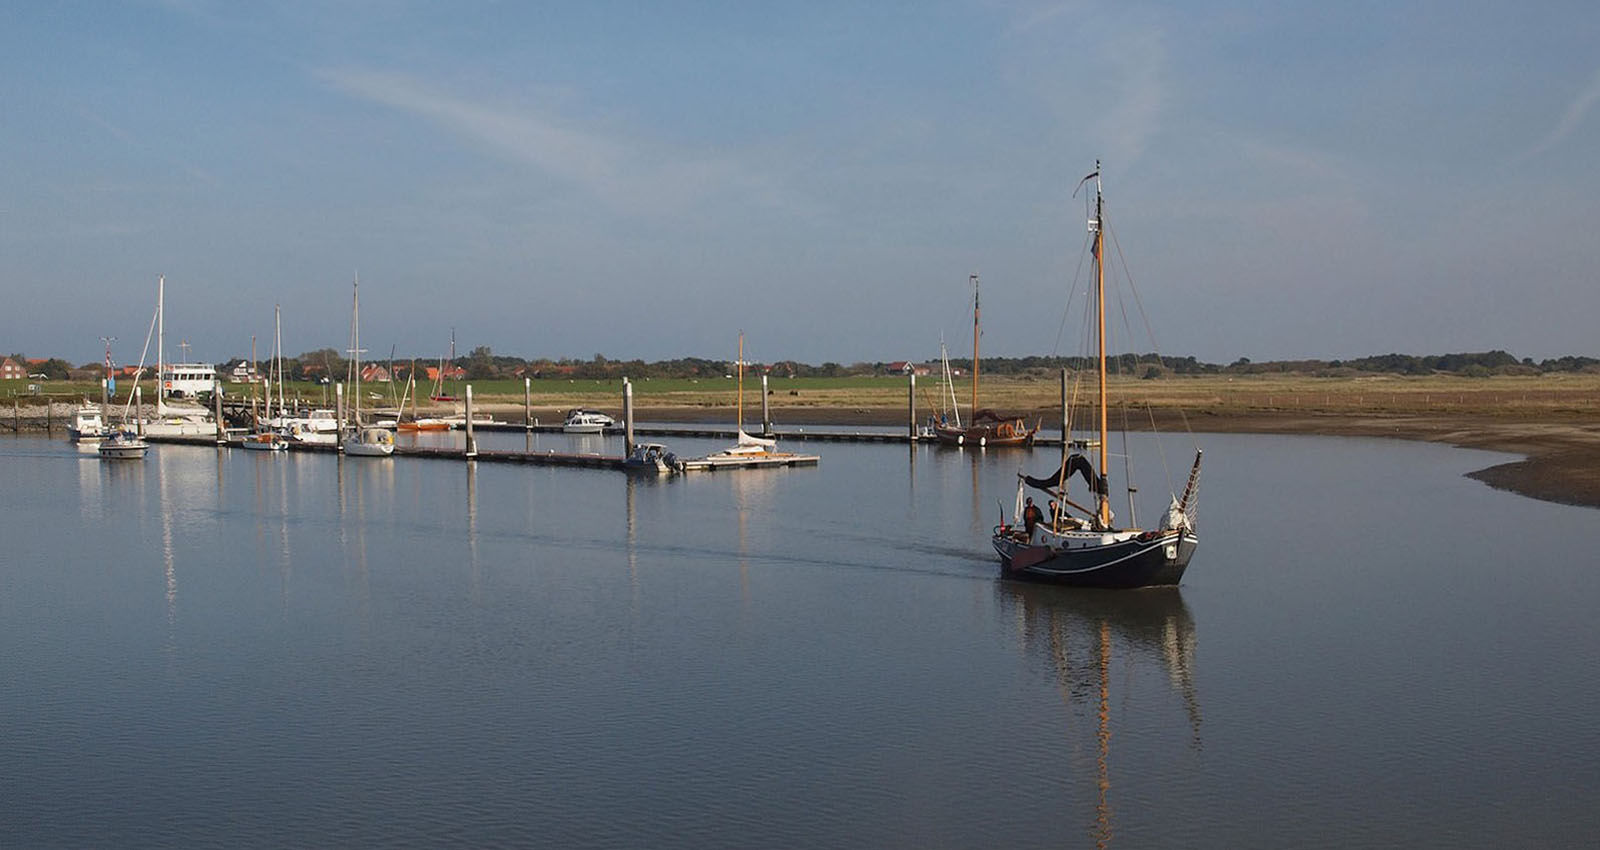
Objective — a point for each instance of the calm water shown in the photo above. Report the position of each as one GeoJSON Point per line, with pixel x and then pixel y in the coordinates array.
{"type": "Point", "coordinates": [232, 649]}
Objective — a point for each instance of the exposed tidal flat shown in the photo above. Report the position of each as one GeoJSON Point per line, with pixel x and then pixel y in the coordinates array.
{"type": "Point", "coordinates": [222, 648]}
{"type": "Point", "coordinates": [1551, 420]}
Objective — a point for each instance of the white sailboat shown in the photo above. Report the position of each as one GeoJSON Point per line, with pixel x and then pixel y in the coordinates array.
{"type": "Point", "coordinates": [368, 440]}
{"type": "Point", "coordinates": [270, 439]}
{"type": "Point", "coordinates": [746, 445]}
{"type": "Point", "coordinates": [179, 419]}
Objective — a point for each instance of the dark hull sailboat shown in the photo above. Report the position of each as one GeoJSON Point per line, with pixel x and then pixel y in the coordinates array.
{"type": "Point", "coordinates": [986, 429]}
{"type": "Point", "coordinates": [1086, 549]}
{"type": "Point", "coordinates": [1096, 559]}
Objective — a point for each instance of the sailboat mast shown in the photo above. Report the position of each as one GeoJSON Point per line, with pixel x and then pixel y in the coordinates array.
{"type": "Point", "coordinates": [1102, 499]}
{"type": "Point", "coordinates": [739, 407]}
{"type": "Point", "coordinates": [355, 347]}
{"type": "Point", "coordinates": [974, 279]}
{"type": "Point", "coordinates": [277, 351]}
{"type": "Point", "coordinates": [161, 347]}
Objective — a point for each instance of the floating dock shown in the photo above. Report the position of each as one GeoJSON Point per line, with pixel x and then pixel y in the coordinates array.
{"type": "Point", "coordinates": [585, 460]}
{"type": "Point", "coordinates": [713, 463]}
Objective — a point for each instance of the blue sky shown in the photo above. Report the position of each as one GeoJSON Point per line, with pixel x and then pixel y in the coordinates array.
{"type": "Point", "coordinates": [643, 180]}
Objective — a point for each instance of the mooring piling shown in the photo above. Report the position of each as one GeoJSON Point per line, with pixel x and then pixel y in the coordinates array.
{"type": "Point", "coordinates": [472, 440]}
{"type": "Point", "coordinates": [911, 406]}
{"type": "Point", "coordinates": [627, 418]}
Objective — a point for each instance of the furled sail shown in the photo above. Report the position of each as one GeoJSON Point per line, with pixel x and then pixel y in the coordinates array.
{"type": "Point", "coordinates": [1076, 464]}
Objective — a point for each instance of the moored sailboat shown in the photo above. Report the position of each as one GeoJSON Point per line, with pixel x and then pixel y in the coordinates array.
{"type": "Point", "coordinates": [368, 440]}
{"type": "Point", "coordinates": [269, 439]}
{"type": "Point", "coordinates": [985, 428]}
{"type": "Point", "coordinates": [1087, 548]}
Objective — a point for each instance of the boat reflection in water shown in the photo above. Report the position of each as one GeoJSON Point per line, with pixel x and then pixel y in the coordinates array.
{"type": "Point", "coordinates": [1077, 633]}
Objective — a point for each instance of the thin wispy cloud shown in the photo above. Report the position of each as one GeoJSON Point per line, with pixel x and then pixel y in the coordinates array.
{"type": "Point", "coordinates": [1060, 47]}
{"type": "Point", "coordinates": [1139, 73]}
{"type": "Point", "coordinates": [1576, 111]}
{"type": "Point", "coordinates": [625, 175]}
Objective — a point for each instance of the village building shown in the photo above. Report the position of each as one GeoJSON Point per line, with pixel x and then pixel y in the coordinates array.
{"type": "Point", "coordinates": [12, 370]}
{"type": "Point", "coordinates": [906, 367]}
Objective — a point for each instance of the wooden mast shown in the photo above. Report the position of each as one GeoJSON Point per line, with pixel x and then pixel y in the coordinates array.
{"type": "Point", "coordinates": [739, 407]}
{"type": "Point", "coordinates": [1102, 499]}
{"type": "Point", "coordinates": [974, 279]}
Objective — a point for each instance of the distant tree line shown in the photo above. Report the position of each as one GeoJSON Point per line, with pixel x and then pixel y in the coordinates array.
{"type": "Point", "coordinates": [1469, 364]}
{"type": "Point", "coordinates": [483, 364]}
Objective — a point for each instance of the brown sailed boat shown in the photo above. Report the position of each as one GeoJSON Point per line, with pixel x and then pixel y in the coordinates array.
{"type": "Point", "coordinates": [986, 428]}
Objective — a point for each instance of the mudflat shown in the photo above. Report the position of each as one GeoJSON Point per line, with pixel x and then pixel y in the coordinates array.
{"type": "Point", "coordinates": [1553, 420]}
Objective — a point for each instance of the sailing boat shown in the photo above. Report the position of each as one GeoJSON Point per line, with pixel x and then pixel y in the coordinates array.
{"type": "Point", "coordinates": [369, 440]}
{"type": "Point", "coordinates": [177, 380]}
{"type": "Point", "coordinates": [417, 422]}
{"type": "Point", "coordinates": [985, 428]}
{"type": "Point", "coordinates": [438, 393]}
{"type": "Point", "coordinates": [1088, 550]}
{"type": "Point", "coordinates": [267, 439]}
{"type": "Point", "coordinates": [747, 445]}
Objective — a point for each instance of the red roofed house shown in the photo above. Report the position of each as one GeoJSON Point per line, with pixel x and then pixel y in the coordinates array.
{"type": "Point", "coordinates": [11, 369]}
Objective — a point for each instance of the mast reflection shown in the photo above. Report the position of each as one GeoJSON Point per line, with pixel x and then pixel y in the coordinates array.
{"type": "Point", "coordinates": [1076, 633]}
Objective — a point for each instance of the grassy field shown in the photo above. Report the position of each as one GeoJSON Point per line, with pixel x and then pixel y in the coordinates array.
{"type": "Point", "coordinates": [1564, 396]}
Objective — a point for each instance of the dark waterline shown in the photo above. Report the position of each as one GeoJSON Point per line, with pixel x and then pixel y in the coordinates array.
{"type": "Point", "coordinates": [237, 649]}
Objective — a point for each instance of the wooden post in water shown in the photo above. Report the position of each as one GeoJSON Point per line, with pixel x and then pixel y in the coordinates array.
{"type": "Point", "coordinates": [627, 418]}
{"type": "Point", "coordinates": [138, 409]}
{"type": "Point", "coordinates": [472, 441]}
{"type": "Point", "coordinates": [49, 416]}
{"type": "Point", "coordinates": [911, 406]}
{"type": "Point", "coordinates": [216, 398]}
{"type": "Point", "coordinates": [16, 416]}
{"type": "Point", "coordinates": [338, 415]}
{"type": "Point", "coordinates": [527, 404]}
{"type": "Point", "coordinates": [1065, 425]}
{"type": "Point", "coordinates": [766, 414]}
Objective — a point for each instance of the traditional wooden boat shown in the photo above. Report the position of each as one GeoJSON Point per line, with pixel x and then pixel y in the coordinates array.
{"type": "Point", "coordinates": [985, 428]}
{"type": "Point", "coordinates": [1087, 548]}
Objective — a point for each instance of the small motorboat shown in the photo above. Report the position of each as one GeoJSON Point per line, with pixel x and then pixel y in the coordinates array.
{"type": "Point", "coordinates": [266, 441]}
{"type": "Point", "coordinates": [122, 445]}
{"type": "Point", "coordinates": [581, 421]}
{"type": "Point", "coordinates": [652, 459]}
{"type": "Point", "coordinates": [87, 424]}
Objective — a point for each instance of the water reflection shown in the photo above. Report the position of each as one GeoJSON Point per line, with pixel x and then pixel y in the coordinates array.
{"type": "Point", "coordinates": [475, 577]}
{"type": "Point", "coordinates": [1077, 633]}
{"type": "Point", "coordinates": [169, 568]}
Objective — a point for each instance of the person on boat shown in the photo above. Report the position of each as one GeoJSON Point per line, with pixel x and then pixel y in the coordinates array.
{"type": "Point", "coordinates": [1054, 515]}
{"type": "Point", "coordinates": [1031, 516]}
